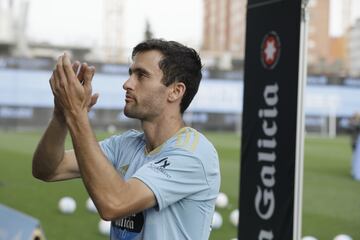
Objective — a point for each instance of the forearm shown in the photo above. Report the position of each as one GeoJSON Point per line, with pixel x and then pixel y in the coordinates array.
{"type": "Point", "coordinates": [50, 150]}
{"type": "Point", "coordinates": [101, 180]}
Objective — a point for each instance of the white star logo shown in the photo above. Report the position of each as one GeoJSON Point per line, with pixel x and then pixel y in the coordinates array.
{"type": "Point", "coordinates": [270, 50]}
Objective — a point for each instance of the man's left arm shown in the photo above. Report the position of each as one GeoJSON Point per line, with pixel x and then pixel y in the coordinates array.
{"type": "Point", "coordinates": [113, 196]}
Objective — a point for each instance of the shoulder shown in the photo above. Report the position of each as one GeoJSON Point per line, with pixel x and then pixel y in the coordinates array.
{"type": "Point", "coordinates": [130, 137]}
{"type": "Point", "coordinates": [116, 146]}
{"type": "Point", "coordinates": [132, 133]}
{"type": "Point", "coordinates": [191, 152]}
{"type": "Point", "coordinates": [192, 141]}
{"type": "Point", "coordinates": [190, 147]}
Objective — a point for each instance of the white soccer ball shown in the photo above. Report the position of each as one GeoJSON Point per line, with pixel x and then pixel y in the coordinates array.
{"type": "Point", "coordinates": [217, 221]}
{"type": "Point", "coordinates": [342, 237]}
{"type": "Point", "coordinates": [104, 227]}
{"type": "Point", "coordinates": [90, 206]}
{"type": "Point", "coordinates": [234, 217]}
{"type": "Point", "coordinates": [222, 200]}
{"type": "Point", "coordinates": [67, 205]}
{"type": "Point", "coordinates": [309, 238]}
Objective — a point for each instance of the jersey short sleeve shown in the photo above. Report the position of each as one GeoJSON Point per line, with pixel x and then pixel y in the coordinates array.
{"type": "Point", "coordinates": [117, 146]}
{"type": "Point", "coordinates": [174, 177]}
{"type": "Point", "coordinates": [109, 147]}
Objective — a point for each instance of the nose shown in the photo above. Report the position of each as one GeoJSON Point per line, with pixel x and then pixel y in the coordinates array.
{"type": "Point", "coordinates": [127, 84]}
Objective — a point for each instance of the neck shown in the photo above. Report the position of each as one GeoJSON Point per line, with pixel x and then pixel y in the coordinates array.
{"type": "Point", "coordinates": [158, 131]}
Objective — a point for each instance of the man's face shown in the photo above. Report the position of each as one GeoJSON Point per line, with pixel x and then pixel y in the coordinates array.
{"type": "Point", "coordinates": [146, 95]}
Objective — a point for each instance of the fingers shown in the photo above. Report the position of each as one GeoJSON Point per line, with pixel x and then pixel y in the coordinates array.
{"type": "Point", "coordinates": [88, 75]}
{"type": "Point", "coordinates": [67, 67]}
{"type": "Point", "coordinates": [70, 95]}
{"type": "Point", "coordinates": [55, 81]}
{"type": "Point", "coordinates": [93, 101]}
{"type": "Point", "coordinates": [81, 73]}
{"type": "Point", "coordinates": [52, 83]}
{"type": "Point", "coordinates": [53, 89]}
{"type": "Point", "coordinates": [66, 72]}
{"type": "Point", "coordinates": [67, 75]}
{"type": "Point", "coordinates": [80, 69]}
{"type": "Point", "coordinates": [76, 66]}
{"type": "Point", "coordinates": [60, 77]}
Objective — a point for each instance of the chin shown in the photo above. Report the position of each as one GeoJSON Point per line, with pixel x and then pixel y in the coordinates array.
{"type": "Point", "coordinates": [129, 114]}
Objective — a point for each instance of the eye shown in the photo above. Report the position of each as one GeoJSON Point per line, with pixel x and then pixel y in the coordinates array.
{"type": "Point", "coordinates": [140, 75]}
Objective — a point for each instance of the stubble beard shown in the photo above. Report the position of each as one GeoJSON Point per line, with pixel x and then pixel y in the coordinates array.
{"type": "Point", "coordinates": [128, 112]}
{"type": "Point", "coordinates": [133, 112]}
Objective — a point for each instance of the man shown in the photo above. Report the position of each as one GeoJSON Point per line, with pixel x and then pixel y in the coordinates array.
{"type": "Point", "coordinates": [157, 184]}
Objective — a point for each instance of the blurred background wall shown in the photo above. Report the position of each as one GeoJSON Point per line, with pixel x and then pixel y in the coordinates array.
{"type": "Point", "coordinates": [34, 33]}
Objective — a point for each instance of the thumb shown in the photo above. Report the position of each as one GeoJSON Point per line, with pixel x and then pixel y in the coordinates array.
{"type": "Point", "coordinates": [88, 75]}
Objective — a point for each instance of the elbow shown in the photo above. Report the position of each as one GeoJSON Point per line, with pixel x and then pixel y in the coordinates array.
{"type": "Point", "coordinates": [40, 175]}
{"type": "Point", "coordinates": [36, 173]}
{"type": "Point", "coordinates": [108, 215]}
{"type": "Point", "coordinates": [109, 212]}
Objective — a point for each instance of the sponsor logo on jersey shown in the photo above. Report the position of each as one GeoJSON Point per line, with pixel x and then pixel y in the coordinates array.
{"type": "Point", "coordinates": [132, 223]}
{"type": "Point", "coordinates": [163, 163]}
{"type": "Point", "coordinates": [160, 166]}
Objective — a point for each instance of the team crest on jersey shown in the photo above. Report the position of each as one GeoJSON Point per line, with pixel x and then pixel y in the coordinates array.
{"type": "Point", "coordinates": [270, 50]}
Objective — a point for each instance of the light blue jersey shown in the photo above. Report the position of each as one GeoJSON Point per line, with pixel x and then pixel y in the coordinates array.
{"type": "Point", "coordinates": [183, 174]}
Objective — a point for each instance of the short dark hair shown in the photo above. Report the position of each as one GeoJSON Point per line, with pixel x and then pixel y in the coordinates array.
{"type": "Point", "coordinates": [179, 64]}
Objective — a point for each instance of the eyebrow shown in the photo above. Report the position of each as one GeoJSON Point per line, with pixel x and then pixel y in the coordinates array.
{"type": "Point", "coordinates": [139, 70]}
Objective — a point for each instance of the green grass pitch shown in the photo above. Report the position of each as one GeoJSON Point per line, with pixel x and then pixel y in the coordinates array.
{"type": "Point", "coordinates": [331, 199]}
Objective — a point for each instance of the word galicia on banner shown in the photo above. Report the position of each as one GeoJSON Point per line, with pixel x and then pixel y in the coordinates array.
{"type": "Point", "coordinates": [265, 198]}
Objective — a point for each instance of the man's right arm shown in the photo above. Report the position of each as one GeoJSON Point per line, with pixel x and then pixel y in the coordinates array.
{"type": "Point", "coordinates": [50, 161]}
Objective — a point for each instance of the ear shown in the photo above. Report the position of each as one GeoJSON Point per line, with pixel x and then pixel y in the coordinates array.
{"type": "Point", "coordinates": [177, 91]}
